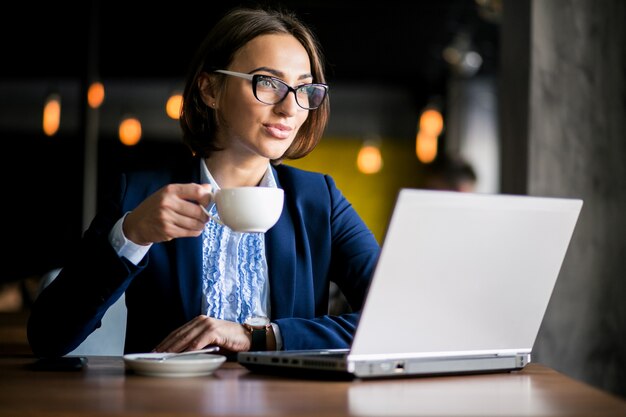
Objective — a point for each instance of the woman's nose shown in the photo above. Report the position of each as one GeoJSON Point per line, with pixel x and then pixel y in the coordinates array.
{"type": "Point", "coordinates": [288, 106]}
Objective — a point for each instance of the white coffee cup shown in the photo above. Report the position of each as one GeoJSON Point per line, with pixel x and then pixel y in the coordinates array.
{"type": "Point", "coordinates": [248, 209]}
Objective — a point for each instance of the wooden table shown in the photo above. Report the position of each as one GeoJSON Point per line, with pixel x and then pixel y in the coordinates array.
{"type": "Point", "coordinates": [104, 388]}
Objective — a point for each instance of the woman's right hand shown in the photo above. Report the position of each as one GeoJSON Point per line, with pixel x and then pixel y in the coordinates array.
{"type": "Point", "coordinates": [171, 212]}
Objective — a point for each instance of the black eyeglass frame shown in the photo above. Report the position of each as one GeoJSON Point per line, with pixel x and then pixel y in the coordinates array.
{"type": "Point", "coordinates": [254, 78]}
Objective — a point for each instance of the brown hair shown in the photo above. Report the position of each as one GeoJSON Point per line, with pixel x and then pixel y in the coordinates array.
{"type": "Point", "coordinates": [232, 32]}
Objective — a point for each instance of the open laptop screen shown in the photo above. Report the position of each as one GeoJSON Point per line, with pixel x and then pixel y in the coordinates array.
{"type": "Point", "coordinates": [464, 272]}
{"type": "Point", "coordinates": [461, 286]}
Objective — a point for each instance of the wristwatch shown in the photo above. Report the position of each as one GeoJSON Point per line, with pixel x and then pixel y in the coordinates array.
{"type": "Point", "coordinates": [258, 327]}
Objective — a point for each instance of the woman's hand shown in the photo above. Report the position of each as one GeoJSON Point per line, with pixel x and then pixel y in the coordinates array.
{"type": "Point", "coordinates": [171, 212]}
{"type": "Point", "coordinates": [203, 331]}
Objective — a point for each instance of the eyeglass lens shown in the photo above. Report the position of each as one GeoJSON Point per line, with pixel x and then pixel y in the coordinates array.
{"type": "Point", "coordinates": [270, 90]}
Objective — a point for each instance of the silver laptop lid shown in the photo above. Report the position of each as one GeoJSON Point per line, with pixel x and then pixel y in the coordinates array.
{"type": "Point", "coordinates": [463, 273]}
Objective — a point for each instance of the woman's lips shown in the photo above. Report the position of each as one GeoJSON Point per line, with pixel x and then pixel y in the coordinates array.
{"type": "Point", "coordinates": [278, 131]}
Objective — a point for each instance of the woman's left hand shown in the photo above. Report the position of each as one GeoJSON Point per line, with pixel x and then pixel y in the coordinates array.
{"type": "Point", "coordinates": [203, 331]}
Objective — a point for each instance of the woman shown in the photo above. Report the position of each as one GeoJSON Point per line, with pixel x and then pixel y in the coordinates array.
{"type": "Point", "coordinates": [255, 97]}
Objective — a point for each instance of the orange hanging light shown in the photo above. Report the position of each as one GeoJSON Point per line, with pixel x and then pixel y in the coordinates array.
{"type": "Point", "coordinates": [130, 131]}
{"type": "Point", "coordinates": [95, 94]}
{"type": "Point", "coordinates": [52, 114]}
{"type": "Point", "coordinates": [173, 105]}
{"type": "Point", "coordinates": [369, 160]}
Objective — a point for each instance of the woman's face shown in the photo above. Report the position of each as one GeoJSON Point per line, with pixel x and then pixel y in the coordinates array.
{"type": "Point", "coordinates": [249, 128]}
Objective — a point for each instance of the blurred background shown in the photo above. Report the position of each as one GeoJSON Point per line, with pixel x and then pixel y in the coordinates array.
{"type": "Point", "coordinates": [386, 66]}
{"type": "Point", "coordinates": [530, 94]}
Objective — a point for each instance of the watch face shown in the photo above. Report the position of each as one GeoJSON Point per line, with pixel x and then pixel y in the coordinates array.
{"type": "Point", "coordinates": [257, 321]}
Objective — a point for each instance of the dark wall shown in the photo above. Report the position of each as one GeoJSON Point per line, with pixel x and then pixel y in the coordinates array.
{"type": "Point", "coordinates": [43, 192]}
{"type": "Point", "coordinates": [577, 148]}
{"type": "Point", "coordinates": [115, 158]}
{"type": "Point", "coordinates": [41, 201]}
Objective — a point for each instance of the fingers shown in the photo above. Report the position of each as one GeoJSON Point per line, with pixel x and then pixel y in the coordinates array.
{"type": "Point", "coordinates": [169, 213]}
{"type": "Point", "coordinates": [185, 337]}
{"type": "Point", "coordinates": [198, 193]}
{"type": "Point", "coordinates": [207, 198]}
{"type": "Point", "coordinates": [203, 331]}
{"type": "Point", "coordinates": [187, 202]}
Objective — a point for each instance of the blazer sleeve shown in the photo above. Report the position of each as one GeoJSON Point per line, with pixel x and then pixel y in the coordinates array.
{"type": "Point", "coordinates": [71, 307]}
{"type": "Point", "coordinates": [335, 245]}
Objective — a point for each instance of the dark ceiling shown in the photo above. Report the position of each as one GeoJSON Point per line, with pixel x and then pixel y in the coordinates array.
{"type": "Point", "coordinates": [396, 43]}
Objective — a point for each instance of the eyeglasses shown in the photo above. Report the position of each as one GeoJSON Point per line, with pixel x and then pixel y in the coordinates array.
{"type": "Point", "coordinates": [272, 90]}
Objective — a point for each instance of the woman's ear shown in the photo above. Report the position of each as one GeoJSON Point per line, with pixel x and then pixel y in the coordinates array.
{"type": "Point", "coordinates": [206, 87]}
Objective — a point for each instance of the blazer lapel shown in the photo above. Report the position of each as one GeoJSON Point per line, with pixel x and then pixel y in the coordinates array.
{"type": "Point", "coordinates": [189, 259]}
{"type": "Point", "coordinates": [280, 249]}
{"type": "Point", "coordinates": [189, 268]}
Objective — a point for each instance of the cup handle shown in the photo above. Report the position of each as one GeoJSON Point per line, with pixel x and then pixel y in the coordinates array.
{"type": "Point", "coordinates": [215, 219]}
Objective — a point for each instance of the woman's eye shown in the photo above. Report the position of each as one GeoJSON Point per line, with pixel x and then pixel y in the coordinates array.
{"type": "Point", "coordinates": [267, 83]}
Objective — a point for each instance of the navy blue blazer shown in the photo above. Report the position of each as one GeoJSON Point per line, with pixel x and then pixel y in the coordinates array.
{"type": "Point", "coordinates": [319, 238]}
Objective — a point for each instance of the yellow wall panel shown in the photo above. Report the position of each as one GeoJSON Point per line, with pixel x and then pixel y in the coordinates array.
{"type": "Point", "coordinates": [372, 195]}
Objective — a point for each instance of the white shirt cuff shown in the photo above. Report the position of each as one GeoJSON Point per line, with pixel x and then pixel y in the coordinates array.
{"type": "Point", "coordinates": [124, 247]}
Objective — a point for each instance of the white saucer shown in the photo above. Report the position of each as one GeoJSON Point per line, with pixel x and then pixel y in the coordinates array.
{"type": "Point", "coordinates": [183, 366]}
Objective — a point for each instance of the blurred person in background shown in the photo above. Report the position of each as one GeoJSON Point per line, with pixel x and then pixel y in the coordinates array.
{"type": "Point", "coordinates": [450, 172]}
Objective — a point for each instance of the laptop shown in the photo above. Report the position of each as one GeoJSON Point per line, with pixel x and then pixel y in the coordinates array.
{"type": "Point", "coordinates": [461, 286]}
